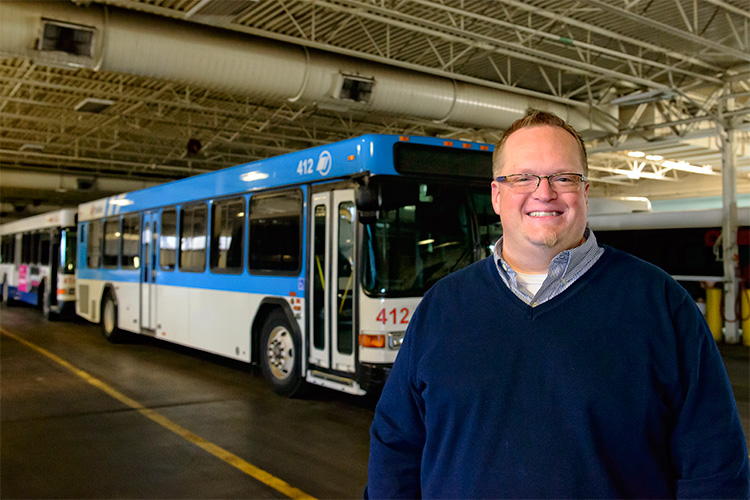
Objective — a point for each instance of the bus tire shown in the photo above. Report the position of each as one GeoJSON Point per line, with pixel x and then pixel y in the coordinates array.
{"type": "Point", "coordinates": [280, 355]}
{"type": "Point", "coordinates": [47, 311]}
{"type": "Point", "coordinates": [109, 320]}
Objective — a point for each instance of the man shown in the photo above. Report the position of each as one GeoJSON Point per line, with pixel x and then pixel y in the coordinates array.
{"type": "Point", "coordinates": [557, 368]}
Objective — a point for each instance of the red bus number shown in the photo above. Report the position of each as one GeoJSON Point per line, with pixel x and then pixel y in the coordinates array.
{"type": "Point", "coordinates": [393, 315]}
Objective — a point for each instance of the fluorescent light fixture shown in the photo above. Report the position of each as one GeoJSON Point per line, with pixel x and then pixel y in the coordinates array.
{"type": "Point", "coordinates": [636, 154]}
{"type": "Point", "coordinates": [641, 200]}
{"type": "Point", "coordinates": [633, 174]}
{"type": "Point", "coordinates": [654, 157]}
{"type": "Point", "coordinates": [427, 241]}
{"type": "Point", "coordinates": [32, 147]}
{"type": "Point", "coordinates": [253, 176]}
{"type": "Point", "coordinates": [687, 167]}
{"type": "Point", "coordinates": [93, 105]}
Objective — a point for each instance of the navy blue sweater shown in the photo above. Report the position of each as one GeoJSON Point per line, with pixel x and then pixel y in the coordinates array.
{"type": "Point", "coordinates": [615, 388]}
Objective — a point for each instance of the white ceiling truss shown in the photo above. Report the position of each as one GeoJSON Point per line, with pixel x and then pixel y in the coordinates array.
{"type": "Point", "coordinates": [666, 77]}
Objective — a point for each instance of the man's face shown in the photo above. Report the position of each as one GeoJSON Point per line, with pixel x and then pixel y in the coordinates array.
{"type": "Point", "coordinates": [543, 218]}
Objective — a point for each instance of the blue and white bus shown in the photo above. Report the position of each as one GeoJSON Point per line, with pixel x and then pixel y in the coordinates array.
{"type": "Point", "coordinates": [310, 264]}
{"type": "Point", "coordinates": [37, 261]}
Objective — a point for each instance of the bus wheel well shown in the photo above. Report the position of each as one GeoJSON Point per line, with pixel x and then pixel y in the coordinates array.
{"type": "Point", "coordinates": [265, 309]}
{"type": "Point", "coordinates": [109, 290]}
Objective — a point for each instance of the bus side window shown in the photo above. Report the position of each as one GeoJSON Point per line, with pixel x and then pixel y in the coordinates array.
{"type": "Point", "coordinates": [130, 241]}
{"type": "Point", "coordinates": [111, 243]}
{"type": "Point", "coordinates": [44, 248]}
{"type": "Point", "coordinates": [26, 248]}
{"type": "Point", "coordinates": [275, 232]}
{"type": "Point", "coordinates": [168, 239]}
{"type": "Point", "coordinates": [35, 240]}
{"type": "Point", "coordinates": [193, 238]}
{"type": "Point", "coordinates": [228, 235]}
{"type": "Point", "coordinates": [6, 248]}
{"type": "Point", "coordinates": [94, 245]}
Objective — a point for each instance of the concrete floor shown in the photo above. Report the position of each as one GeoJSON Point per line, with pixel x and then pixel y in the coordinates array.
{"type": "Point", "coordinates": [61, 437]}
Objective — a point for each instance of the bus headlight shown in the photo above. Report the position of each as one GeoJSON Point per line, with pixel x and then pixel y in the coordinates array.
{"type": "Point", "coordinates": [391, 340]}
{"type": "Point", "coordinates": [395, 339]}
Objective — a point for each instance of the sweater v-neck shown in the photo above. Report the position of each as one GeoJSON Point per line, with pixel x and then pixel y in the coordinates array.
{"type": "Point", "coordinates": [568, 294]}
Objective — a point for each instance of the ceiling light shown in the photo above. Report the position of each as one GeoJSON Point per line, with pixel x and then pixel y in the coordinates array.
{"type": "Point", "coordinates": [654, 157]}
{"type": "Point", "coordinates": [687, 167]}
{"type": "Point", "coordinates": [636, 154]}
{"type": "Point", "coordinates": [93, 105]}
{"type": "Point", "coordinates": [32, 147]}
{"type": "Point", "coordinates": [634, 174]}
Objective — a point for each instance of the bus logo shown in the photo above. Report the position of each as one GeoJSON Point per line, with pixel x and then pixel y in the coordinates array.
{"type": "Point", "coordinates": [324, 163]}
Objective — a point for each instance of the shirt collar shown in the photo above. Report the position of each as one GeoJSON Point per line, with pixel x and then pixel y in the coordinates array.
{"type": "Point", "coordinates": [560, 266]}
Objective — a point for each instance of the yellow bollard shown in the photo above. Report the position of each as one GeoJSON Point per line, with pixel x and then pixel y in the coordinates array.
{"type": "Point", "coordinates": [713, 312]}
{"type": "Point", "coordinates": [745, 315]}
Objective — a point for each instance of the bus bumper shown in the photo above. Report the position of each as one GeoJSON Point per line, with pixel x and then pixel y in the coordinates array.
{"type": "Point", "coordinates": [373, 376]}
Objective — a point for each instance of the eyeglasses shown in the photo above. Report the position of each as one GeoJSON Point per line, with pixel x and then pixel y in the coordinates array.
{"type": "Point", "coordinates": [528, 183]}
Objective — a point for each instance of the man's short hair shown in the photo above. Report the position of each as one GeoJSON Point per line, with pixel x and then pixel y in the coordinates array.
{"type": "Point", "coordinates": [535, 118]}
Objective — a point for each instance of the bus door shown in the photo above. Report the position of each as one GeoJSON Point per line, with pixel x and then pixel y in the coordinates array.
{"type": "Point", "coordinates": [148, 269]}
{"type": "Point", "coordinates": [54, 267]}
{"type": "Point", "coordinates": [331, 266]}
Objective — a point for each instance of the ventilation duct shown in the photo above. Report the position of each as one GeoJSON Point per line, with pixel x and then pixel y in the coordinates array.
{"type": "Point", "coordinates": [11, 178]}
{"type": "Point", "coordinates": [159, 47]}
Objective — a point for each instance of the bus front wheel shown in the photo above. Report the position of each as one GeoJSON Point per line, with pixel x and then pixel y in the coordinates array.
{"type": "Point", "coordinates": [109, 320]}
{"type": "Point", "coordinates": [280, 355]}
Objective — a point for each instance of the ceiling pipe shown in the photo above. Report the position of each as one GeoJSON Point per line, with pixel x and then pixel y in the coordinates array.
{"type": "Point", "coordinates": [24, 179]}
{"type": "Point", "coordinates": [158, 47]}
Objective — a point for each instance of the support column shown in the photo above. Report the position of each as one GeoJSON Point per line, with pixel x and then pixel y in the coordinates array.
{"type": "Point", "coordinates": [729, 232]}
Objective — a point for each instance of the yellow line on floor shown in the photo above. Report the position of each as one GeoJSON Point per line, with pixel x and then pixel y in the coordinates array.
{"type": "Point", "coordinates": [219, 452]}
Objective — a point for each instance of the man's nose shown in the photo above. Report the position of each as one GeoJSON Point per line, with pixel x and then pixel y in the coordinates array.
{"type": "Point", "coordinates": [544, 190]}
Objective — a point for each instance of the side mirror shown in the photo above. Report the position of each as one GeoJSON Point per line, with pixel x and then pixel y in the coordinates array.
{"type": "Point", "coordinates": [368, 203]}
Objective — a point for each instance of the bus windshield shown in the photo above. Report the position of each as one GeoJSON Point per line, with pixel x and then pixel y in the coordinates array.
{"type": "Point", "coordinates": [424, 231]}
{"type": "Point", "coordinates": [68, 251]}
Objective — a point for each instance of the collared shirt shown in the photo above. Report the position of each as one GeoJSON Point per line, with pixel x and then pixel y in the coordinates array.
{"type": "Point", "coordinates": [563, 271]}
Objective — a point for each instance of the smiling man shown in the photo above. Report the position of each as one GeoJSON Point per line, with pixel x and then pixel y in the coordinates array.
{"type": "Point", "coordinates": [540, 220]}
{"type": "Point", "coordinates": [557, 368]}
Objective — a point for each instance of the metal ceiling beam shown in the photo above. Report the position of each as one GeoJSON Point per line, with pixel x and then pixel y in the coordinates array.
{"type": "Point", "coordinates": [646, 21]}
{"type": "Point", "coordinates": [730, 8]}
{"type": "Point", "coordinates": [487, 43]}
{"type": "Point", "coordinates": [558, 39]}
{"type": "Point", "coordinates": [610, 34]}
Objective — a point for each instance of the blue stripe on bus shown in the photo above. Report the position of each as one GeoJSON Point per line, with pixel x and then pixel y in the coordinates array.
{"type": "Point", "coordinates": [28, 297]}
{"type": "Point", "coordinates": [270, 285]}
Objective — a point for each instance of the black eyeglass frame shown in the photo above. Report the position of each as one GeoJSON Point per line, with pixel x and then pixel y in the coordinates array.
{"type": "Point", "coordinates": [504, 178]}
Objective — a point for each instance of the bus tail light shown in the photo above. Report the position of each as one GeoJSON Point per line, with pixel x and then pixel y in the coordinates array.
{"type": "Point", "coordinates": [368, 340]}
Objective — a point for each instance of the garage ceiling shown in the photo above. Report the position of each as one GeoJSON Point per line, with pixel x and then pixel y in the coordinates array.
{"type": "Point", "coordinates": [663, 77]}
